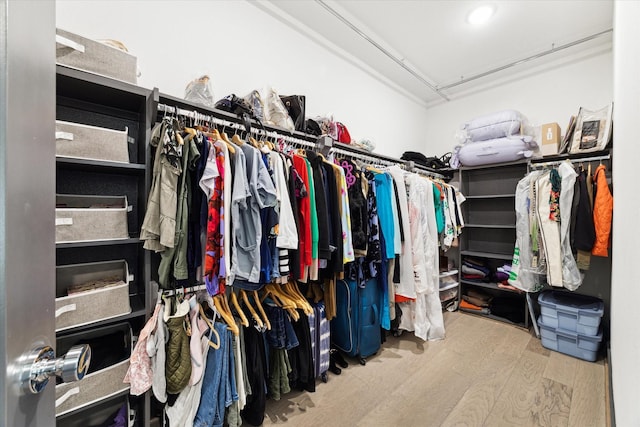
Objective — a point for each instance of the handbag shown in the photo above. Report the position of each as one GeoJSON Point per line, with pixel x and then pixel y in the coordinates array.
{"type": "Point", "coordinates": [343, 134]}
{"type": "Point", "coordinates": [240, 107]}
{"type": "Point", "coordinates": [312, 128]}
{"type": "Point", "coordinates": [295, 105]}
{"type": "Point", "coordinates": [236, 105]}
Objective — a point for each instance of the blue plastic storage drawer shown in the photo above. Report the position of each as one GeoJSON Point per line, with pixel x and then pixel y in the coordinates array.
{"type": "Point", "coordinates": [571, 312]}
{"type": "Point", "coordinates": [571, 343]}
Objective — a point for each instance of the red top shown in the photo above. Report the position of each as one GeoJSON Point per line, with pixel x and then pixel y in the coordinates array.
{"type": "Point", "coordinates": [304, 214]}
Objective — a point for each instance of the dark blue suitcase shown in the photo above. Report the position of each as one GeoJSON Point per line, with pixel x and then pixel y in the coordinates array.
{"type": "Point", "coordinates": [356, 328]}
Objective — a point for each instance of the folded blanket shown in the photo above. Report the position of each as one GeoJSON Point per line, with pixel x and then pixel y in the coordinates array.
{"type": "Point", "coordinates": [475, 270]}
{"type": "Point", "coordinates": [475, 301]}
{"type": "Point", "coordinates": [501, 277]}
{"type": "Point", "coordinates": [479, 294]}
{"type": "Point", "coordinates": [478, 277]}
{"type": "Point", "coordinates": [474, 262]}
{"type": "Point", "coordinates": [467, 306]}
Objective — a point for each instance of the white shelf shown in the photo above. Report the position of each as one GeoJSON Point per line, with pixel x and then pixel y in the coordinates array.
{"type": "Point", "coordinates": [449, 286]}
{"type": "Point", "coordinates": [448, 273]}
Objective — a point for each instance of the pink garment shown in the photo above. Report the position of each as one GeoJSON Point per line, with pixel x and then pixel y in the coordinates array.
{"type": "Point", "coordinates": [140, 374]}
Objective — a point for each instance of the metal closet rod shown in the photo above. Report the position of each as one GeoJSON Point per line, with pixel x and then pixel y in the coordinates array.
{"type": "Point", "coordinates": [372, 158]}
{"type": "Point", "coordinates": [233, 125]}
{"type": "Point", "coordinates": [390, 55]}
{"type": "Point", "coordinates": [525, 60]}
{"type": "Point", "coordinates": [436, 88]}
{"type": "Point", "coordinates": [579, 160]}
{"type": "Point", "coordinates": [408, 166]}
{"type": "Point", "coordinates": [343, 149]}
{"type": "Point", "coordinates": [185, 290]}
{"type": "Point", "coordinates": [426, 171]}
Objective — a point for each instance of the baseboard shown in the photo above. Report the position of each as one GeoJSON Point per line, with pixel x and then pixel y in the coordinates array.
{"type": "Point", "coordinates": [611, 414]}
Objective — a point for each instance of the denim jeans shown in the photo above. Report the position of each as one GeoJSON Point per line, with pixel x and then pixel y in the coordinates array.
{"type": "Point", "coordinates": [281, 335]}
{"type": "Point", "coordinates": [218, 387]}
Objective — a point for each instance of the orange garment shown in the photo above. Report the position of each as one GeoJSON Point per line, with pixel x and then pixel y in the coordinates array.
{"type": "Point", "coordinates": [400, 298]}
{"type": "Point", "coordinates": [602, 213]}
{"type": "Point", "coordinates": [469, 306]}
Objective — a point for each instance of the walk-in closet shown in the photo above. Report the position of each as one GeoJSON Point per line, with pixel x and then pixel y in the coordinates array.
{"type": "Point", "coordinates": [318, 212]}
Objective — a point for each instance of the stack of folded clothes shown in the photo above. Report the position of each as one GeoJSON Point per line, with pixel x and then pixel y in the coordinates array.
{"type": "Point", "coordinates": [473, 269]}
{"type": "Point", "coordinates": [502, 273]}
{"type": "Point", "coordinates": [502, 278]}
{"type": "Point", "coordinates": [476, 300]}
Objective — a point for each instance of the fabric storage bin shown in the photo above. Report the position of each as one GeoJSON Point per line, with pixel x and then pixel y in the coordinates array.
{"type": "Point", "coordinates": [569, 342]}
{"type": "Point", "coordinates": [88, 218]}
{"type": "Point", "coordinates": [571, 312]}
{"type": "Point", "coordinates": [99, 416]}
{"type": "Point", "coordinates": [91, 142]}
{"type": "Point", "coordinates": [96, 57]}
{"type": "Point", "coordinates": [110, 352]}
{"type": "Point", "coordinates": [94, 302]}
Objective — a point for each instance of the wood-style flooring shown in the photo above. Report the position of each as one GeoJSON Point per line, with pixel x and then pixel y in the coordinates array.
{"type": "Point", "coordinates": [485, 373]}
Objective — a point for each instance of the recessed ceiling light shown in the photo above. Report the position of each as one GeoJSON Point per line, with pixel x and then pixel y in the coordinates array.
{"type": "Point", "coordinates": [481, 15]}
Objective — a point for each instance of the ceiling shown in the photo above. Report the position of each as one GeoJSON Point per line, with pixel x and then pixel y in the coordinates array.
{"type": "Point", "coordinates": [428, 51]}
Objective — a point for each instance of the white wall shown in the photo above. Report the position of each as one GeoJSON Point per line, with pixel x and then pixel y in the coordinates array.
{"type": "Point", "coordinates": [625, 316]}
{"type": "Point", "coordinates": [244, 48]}
{"type": "Point", "coordinates": [552, 95]}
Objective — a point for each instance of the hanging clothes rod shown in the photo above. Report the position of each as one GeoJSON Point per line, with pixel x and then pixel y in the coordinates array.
{"type": "Point", "coordinates": [578, 160]}
{"type": "Point", "coordinates": [197, 116]}
{"type": "Point", "coordinates": [362, 156]}
{"type": "Point", "coordinates": [385, 161]}
{"type": "Point", "coordinates": [185, 290]}
{"type": "Point", "coordinates": [340, 148]}
{"type": "Point", "coordinates": [353, 149]}
{"type": "Point", "coordinates": [427, 173]}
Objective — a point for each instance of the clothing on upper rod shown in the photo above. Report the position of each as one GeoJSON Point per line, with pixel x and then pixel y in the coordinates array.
{"type": "Point", "coordinates": [290, 223]}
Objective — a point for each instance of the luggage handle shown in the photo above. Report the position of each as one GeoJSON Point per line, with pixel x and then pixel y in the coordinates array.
{"type": "Point", "coordinates": [67, 136]}
{"type": "Point", "coordinates": [65, 309]}
{"type": "Point", "coordinates": [67, 395]}
{"type": "Point", "coordinates": [562, 334]}
{"type": "Point", "coordinates": [65, 42]}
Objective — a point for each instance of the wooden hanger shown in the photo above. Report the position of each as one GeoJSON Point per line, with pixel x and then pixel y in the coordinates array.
{"type": "Point", "coordinates": [253, 142]}
{"type": "Point", "coordinates": [261, 310]}
{"type": "Point", "coordinates": [281, 299]}
{"type": "Point", "coordinates": [302, 302]}
{"type": "Point", "coordinates": [190, 131]}
{"type": "Point", "coordinates": [255, 316]}
{"type": "Point", "coordinates": [220, 303]}
{"type": "Point", "coordinates": [218, 137]}
{"type": "Point", "coordinates": [234, 301]}
{"type": "Point", "coordinates": [237, 140]}
{"type": "Point", "coordinates": [179, 138]}
{"type": "Point", "coordinates": [224, 136]}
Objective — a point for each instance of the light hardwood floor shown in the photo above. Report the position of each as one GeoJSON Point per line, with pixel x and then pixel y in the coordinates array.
{"type": "Point", "coordinates": [485, 373]}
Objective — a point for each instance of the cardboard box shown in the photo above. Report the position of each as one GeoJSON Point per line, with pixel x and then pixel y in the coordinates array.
{"type": "Point", "coordinates": [550, 136]}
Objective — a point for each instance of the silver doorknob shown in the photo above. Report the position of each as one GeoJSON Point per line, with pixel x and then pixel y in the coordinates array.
{"type": "Point", "coordinates": [42, 364]}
